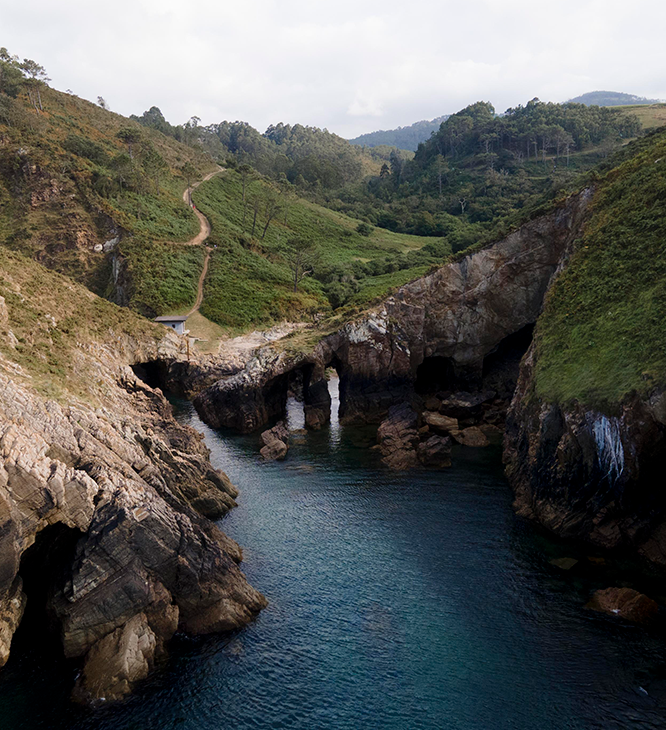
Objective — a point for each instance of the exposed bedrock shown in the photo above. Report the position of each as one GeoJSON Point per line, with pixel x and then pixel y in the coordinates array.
{"type": "Point", "coordinates": [104, 523]}
{"type": "Point", "coordinates": [590, 475]}
{"type": "Point", "coordinates": [464, 327]}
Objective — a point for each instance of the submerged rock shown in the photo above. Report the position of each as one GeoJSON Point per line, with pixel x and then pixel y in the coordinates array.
{"type": "Point", "coordinates": [625, 603]}
{"type": "Point", "coordinates": [435, 452]}
{"type": "Point", "coordinates": [471, 436]}
{"type": "Point", "coordinates": [564, 563]}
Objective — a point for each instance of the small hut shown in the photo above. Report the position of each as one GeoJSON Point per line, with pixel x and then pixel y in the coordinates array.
{"type": "Point", "coordinates": [176, 323]}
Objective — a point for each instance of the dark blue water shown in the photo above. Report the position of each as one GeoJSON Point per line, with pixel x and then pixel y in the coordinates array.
{"type": "Point", "coordinates": [397, 601]}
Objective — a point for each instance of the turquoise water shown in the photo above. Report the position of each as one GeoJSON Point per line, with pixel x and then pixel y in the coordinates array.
{"type": "Point", "coordinates": [397, 602]}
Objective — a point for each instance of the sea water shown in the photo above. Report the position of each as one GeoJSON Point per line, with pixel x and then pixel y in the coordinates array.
{"type": "Point", "coordinates": [397, 601]}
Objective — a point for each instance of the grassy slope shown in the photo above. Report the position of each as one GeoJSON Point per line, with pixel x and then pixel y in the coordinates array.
{"type": "Point", "coordinates": [249, 282]}
{"type": "Point", "coordinates": [51, 209]}
{"type": "Point", "coordinates": [50, 315]}
{"type": "Point", "coordinates": [603, 331]}
{"type": "Point", "coordinates": [649, 115]}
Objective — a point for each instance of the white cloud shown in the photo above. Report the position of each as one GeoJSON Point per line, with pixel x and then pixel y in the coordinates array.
{"type": "Point", "coordinates": [348, 66]}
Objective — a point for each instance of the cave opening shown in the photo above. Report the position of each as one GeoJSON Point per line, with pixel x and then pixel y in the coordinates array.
{"type": "Point", "coordinates": [435, 374]}
{"type": "Point", "coordinates": [44, 569]}
{"type": "Point", "coordinates": [502, 366]}
{"type": "Point", "coordinates": [152, 373]}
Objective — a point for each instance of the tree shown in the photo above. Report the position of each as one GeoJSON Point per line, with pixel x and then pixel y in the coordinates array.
{"type": "Point", "coordinates": [102, 102]}
{"type": "Point", "coordinates": [256, 204]}
{"type": "Point", "coordinates": [301, 255]}
{"type": "Point", "coordinates": [245, 171]}
{"type": "Point", "coordinates": [129, 136]}
{"type": "Point", "coordinates": [11, 79]}
{"type": "Point", "coordinates": [187, 171]}
{"type": "Point", "coordinates": [122, 166]}
{"type": "Point", "coordinates": [36, 76]}
{"type": "Point", "coordinates": [272, 209]}
{"type": "Point", "coordinates": [154, 165]}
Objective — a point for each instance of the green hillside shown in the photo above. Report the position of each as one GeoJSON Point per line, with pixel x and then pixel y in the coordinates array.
{"type": "Point", "coordinates": [404, 138]}
{"type": "Point", "coordinates": [250, 280]}
{"type": "Point", "coordinates": [611, 98]}
{"type": "Point", "coordinates": [603, 331]}
{"type": "Point", "coordinates": [89, 193]}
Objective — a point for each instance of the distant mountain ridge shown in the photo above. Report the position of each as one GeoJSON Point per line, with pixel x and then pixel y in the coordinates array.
{"type": "Point", "coordinates": [405, 138]}
{"type": "Point", "coordinates": [612, 98]}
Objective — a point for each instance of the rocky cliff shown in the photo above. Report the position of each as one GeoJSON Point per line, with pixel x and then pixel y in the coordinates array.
{"type": "Point", "coordinates": [586, 432]}
{"type": "Point", "coordinates": [438, 331]}
{"type": "Point", "coordinates": [105, 500]}
{"type": "Point", "coordinates": [586, 474]}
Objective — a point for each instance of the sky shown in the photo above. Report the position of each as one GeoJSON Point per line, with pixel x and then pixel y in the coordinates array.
{"type": "Point", "coordinates": [351, 66]}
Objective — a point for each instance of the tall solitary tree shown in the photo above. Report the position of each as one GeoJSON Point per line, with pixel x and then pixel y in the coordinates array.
{"type": "Point", "coordinates": [301, 255]}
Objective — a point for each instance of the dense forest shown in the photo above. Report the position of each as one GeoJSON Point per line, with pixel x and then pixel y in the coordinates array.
{"type": "Point", "coordinates": [480, 168]}
{"type": "Point", "coordinates": [404, 138]}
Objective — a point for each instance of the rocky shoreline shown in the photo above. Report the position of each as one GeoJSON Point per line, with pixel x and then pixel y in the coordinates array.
{"type": "Point", "coordinates": [105, 518]}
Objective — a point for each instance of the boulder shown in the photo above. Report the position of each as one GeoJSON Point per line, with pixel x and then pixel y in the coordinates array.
{"type": "Point", "coordinates": [625, 603]}
{"type": "Point", "coordinates": [276, 442]}
{"type": "Point", "coordinates": [464, 404]}
{"type": "Point", "coordinates": [439, 422]}
{"type": "Point", "coordinates": [471, 436]}
{"type": "Point", "coordinates": [398, 437]}
{"type": "Point", "coordinates": [278, 432]}
{"type": "Point", "coordinates": [435, 452]}
{"type": "Point", "coordinates": [276, 450]}
{"type": "Point", "coordinates": [432, 403]}
{"type": "Point", "coordinates": [116, 662]}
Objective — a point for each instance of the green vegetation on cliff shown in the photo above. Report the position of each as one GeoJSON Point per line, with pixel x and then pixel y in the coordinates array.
{"type": "Point", "coordinates": [50, 318]}
{"type": "Point", "coordinates": [251, 280]}
{"type": "Point", "coordinates": [602, 334]}
{"type": "Point", "coordinates": [79, 184]}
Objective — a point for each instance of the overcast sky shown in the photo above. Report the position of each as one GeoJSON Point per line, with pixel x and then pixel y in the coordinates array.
{"type": "Point", "coordinates": [351, 66]}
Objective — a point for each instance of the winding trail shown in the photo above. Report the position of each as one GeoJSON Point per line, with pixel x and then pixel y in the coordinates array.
{"type": "Point", "coordinates": [204, 271]}
{"type": "Point", "coordinates": [204, 225]}
{"type": "Point", "coordinates": [198, 240]}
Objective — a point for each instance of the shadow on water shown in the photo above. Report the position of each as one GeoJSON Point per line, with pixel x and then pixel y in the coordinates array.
{"type": "Point", "coordinates": [397, 601]}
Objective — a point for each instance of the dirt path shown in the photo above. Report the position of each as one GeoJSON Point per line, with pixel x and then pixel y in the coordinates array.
{"type": "Point", "coordinates": [204, 271]}
{"type": "Point", "coordinates": [204, 225]}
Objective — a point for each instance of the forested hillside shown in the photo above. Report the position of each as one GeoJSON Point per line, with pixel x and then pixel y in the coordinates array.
{"type": "Point", "coordinates": [404, 138]}
{"type": "Point", "coordinates": [99, 198]}
{"type": "Point", "coordinates": [481, 170]}
{"type": "Point", "coordinates": [611, 98]}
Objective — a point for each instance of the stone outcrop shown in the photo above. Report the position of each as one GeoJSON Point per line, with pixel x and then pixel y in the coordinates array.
{"type": "Point", "coordinates": [625, 603]}
{"type": "Point", "coordinates": [276, 442]}
{"type": "Point", "coordinates": [452, 323]}
{"type": "Point", "coordinates": [133, 492]}
{"type": "Point", "coordinates": [589, 475]}
{"type": "Point", "coordinates": [405, 445]}
{"type": "Point", "coordinates": [398, 437]}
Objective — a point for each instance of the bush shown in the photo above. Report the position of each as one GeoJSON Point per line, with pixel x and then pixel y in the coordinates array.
{"type": "Point", "coordinates": [365, 229]}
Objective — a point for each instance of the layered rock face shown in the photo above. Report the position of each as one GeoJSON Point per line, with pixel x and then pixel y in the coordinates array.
{"type": "Point", "coordinates": [587, 475]}
{"type": "Point", "coordinates": [452, 319]}
{"type": "Point", "coordinates": [132, 491]}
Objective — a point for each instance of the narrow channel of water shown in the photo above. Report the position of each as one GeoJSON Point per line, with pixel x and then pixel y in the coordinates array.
{"type": "Point", "coordinates": [397, 602]}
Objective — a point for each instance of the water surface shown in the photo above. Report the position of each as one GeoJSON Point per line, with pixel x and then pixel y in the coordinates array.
{"type": "Point", "coordinates": [397, 602]}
